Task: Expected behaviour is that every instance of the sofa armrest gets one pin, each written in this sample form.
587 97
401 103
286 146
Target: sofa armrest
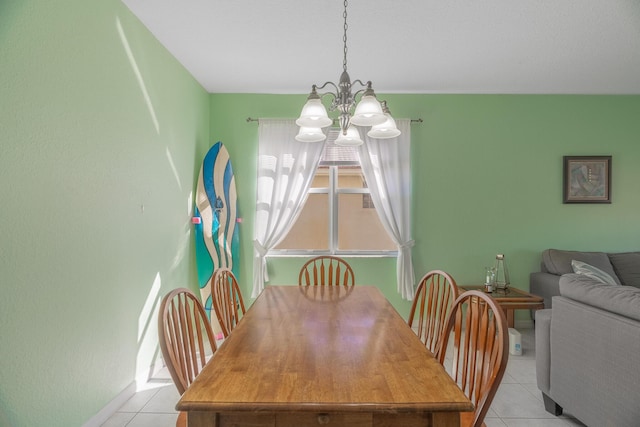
595 374
623 300
543 350
545 285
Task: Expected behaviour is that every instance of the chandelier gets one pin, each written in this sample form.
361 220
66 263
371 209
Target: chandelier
367 111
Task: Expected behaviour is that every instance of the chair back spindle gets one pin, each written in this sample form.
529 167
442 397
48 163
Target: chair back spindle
478 353
227 300
326 271
185 336
431 307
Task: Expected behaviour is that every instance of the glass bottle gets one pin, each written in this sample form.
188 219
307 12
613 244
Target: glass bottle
490 279
502 274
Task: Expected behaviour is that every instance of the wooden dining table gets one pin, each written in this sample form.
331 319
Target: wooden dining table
317 355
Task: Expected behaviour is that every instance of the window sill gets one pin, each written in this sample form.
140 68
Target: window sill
344 254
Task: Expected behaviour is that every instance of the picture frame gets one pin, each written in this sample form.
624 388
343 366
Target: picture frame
586 179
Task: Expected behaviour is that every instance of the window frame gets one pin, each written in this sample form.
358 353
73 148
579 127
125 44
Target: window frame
333 193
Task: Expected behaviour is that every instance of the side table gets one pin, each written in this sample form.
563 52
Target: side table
510 300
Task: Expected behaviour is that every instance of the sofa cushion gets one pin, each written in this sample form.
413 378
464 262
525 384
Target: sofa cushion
627 267
580 267
559 262
623 300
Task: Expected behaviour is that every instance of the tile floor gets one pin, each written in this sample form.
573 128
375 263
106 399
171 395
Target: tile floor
518 402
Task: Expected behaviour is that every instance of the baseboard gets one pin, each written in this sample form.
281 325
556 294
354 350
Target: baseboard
105 413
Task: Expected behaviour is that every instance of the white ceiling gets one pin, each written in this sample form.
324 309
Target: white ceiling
404 46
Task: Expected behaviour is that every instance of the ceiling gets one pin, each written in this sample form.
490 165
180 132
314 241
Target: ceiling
404 46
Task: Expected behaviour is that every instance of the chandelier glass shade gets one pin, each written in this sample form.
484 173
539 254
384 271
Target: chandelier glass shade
314 114
386 129
349 138
367 111
310 134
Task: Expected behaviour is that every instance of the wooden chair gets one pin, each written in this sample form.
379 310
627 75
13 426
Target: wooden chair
227 299
186 339
431 307
326 270
479 352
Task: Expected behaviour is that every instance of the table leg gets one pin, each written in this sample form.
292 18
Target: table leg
510 318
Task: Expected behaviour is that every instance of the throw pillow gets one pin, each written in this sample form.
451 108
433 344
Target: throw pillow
585 269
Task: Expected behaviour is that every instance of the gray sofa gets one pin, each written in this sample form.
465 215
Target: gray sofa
588 344
623 267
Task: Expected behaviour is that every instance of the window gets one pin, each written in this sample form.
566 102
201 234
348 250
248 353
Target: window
338 216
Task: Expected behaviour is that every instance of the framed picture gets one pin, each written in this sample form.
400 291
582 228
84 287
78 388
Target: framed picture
587 179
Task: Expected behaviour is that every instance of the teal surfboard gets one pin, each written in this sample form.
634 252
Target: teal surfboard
215 222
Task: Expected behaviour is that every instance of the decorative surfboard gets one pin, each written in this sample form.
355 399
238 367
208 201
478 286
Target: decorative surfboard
215 222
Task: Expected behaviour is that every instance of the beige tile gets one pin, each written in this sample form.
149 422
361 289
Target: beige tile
164 401
515 401
520 422
573 422
508 379
533 389
138 400
153 420
523 371
119 419
494 422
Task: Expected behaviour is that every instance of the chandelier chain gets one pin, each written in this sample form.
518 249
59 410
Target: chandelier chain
365 110
344 38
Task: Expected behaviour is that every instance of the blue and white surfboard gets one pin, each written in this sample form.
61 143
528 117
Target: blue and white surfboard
216 231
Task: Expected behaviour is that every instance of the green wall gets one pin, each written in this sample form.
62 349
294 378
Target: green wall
101 137
101 132
487 179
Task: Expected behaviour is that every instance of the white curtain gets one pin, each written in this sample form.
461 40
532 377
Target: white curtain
285 170
386 167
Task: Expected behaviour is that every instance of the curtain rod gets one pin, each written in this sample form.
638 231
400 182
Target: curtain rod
250 119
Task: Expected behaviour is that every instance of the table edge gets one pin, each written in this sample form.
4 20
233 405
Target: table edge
355 407
529 296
